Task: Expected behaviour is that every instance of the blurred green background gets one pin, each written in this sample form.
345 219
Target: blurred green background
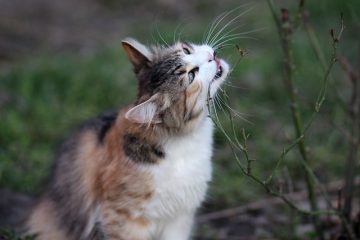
61 63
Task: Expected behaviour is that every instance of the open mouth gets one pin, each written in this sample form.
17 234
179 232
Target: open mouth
219 73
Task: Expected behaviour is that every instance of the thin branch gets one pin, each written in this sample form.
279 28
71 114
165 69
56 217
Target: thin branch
332 187
285 29
314 41
354 113
285 34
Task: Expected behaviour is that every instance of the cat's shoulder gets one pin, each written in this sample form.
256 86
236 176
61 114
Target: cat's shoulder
101 124
97 126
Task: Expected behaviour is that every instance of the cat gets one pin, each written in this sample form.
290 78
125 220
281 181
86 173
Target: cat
139 173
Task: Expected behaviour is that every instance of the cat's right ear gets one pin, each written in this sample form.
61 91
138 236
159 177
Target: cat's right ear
138 54
144 113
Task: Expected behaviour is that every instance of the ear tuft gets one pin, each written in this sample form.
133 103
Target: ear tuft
144 113
137 53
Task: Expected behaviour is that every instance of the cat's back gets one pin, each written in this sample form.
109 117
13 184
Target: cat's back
67 208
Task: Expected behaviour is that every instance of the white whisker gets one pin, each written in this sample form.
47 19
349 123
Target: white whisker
235 35
228 33
234 112
225 46
220 105
227 24
213 27
161 37
209 32
233 86
217 119
219 19
176 29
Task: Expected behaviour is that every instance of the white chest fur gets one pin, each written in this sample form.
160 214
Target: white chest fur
181 179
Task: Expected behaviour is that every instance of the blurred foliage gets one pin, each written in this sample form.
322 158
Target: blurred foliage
48 97
10 235
43 97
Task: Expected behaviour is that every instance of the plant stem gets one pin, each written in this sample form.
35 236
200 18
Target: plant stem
351 163
314 41
285 33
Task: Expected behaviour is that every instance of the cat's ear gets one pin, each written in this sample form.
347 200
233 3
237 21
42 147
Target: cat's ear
138 54
144 113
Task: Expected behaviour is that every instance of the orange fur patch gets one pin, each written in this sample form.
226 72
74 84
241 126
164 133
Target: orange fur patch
88 162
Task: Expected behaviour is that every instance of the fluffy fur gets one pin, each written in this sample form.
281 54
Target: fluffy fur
141 172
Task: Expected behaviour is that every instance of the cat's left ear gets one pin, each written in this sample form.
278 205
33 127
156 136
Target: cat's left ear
138 54
144 113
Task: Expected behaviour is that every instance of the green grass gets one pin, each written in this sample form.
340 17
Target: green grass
46 99
47 96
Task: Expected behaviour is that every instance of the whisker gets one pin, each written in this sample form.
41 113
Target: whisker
217 101
242 33
237 37
219 19
233 86
209 32
222 129
222 46
161 37
176 29
217 36
254 30
228 33
236 34
214 117
226 101
234 112
235 65
236 62
218 120
213 27
213 114
227 24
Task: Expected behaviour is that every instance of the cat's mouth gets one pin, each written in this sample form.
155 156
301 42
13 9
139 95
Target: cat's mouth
219 73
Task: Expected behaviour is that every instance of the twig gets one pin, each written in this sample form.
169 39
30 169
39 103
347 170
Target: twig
295 197
314 41
236 145
285 34
354 113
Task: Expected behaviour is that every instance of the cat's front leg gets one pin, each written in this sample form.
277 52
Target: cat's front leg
179 228
119 224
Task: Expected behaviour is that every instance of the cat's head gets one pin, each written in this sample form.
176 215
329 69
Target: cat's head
174 82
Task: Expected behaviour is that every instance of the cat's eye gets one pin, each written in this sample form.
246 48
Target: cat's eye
186 50
191 74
